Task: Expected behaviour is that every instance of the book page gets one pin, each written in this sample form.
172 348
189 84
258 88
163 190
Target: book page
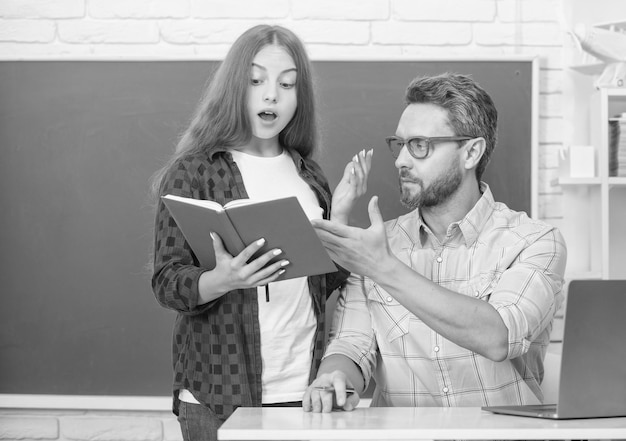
240 202
199 202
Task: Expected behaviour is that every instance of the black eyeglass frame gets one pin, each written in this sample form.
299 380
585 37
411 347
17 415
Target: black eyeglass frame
429 143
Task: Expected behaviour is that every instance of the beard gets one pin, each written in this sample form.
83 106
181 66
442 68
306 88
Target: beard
444 186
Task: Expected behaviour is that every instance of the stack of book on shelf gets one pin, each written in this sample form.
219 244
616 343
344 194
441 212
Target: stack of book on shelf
617 145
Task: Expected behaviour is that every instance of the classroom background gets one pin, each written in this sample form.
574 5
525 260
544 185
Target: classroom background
331 29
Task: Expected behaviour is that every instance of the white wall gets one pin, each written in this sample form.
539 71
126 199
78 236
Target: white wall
601 11
577 86
193 29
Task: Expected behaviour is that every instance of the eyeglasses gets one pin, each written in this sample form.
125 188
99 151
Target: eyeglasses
418 146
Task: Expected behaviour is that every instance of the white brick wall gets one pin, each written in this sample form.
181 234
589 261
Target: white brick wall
353 10
94 29
88 425
237 9
42 9
138 9
103 428
446 11
28 427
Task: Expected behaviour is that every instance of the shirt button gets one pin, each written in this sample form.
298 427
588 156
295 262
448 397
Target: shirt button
436 348
389 299
477 293
439 259
445 390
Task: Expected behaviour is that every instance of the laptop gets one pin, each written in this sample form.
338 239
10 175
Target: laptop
592 383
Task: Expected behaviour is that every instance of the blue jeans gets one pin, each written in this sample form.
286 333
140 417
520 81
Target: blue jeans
199 423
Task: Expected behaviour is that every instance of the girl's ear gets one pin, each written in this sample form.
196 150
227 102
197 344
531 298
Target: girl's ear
473 151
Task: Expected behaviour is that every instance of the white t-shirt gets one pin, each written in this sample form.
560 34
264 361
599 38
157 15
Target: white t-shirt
287 322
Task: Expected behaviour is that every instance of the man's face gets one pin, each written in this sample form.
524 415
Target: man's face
430 181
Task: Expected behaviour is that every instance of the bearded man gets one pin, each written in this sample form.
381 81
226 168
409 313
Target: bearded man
451 304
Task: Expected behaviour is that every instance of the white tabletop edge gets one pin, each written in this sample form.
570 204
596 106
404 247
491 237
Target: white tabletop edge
409 423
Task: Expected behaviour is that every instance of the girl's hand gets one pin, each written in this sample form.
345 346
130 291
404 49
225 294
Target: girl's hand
236 272
352 186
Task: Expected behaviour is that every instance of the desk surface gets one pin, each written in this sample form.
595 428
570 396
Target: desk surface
397 423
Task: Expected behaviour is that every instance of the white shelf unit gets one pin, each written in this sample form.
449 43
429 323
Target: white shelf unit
595 208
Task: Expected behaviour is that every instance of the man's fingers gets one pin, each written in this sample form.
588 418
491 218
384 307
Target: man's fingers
376 218
306 400
333 228
327 398
340 393
316 401
332 243
351 402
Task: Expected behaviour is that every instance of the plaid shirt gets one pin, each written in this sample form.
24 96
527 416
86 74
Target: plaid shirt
493 254
216 346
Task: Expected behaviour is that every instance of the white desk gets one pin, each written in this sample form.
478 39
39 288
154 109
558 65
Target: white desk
407 423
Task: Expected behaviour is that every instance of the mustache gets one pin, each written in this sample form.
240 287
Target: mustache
406 175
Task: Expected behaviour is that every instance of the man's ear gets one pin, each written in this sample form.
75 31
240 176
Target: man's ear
473 151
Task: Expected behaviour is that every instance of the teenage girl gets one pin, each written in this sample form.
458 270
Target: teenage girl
252 136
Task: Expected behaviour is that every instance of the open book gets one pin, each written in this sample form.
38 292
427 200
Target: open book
281 222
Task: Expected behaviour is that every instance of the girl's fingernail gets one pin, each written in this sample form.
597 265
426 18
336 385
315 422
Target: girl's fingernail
260 241
277 252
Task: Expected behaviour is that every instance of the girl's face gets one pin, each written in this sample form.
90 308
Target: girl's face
272 99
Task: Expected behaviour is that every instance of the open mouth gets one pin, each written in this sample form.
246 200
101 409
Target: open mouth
268 116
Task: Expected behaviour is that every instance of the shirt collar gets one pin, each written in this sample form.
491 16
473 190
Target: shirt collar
219 149
473 222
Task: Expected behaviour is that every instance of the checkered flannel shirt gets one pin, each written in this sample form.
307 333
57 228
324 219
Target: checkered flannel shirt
216 346
493 254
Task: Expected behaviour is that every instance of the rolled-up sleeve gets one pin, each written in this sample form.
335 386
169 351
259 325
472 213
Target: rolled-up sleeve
351 333
529 293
